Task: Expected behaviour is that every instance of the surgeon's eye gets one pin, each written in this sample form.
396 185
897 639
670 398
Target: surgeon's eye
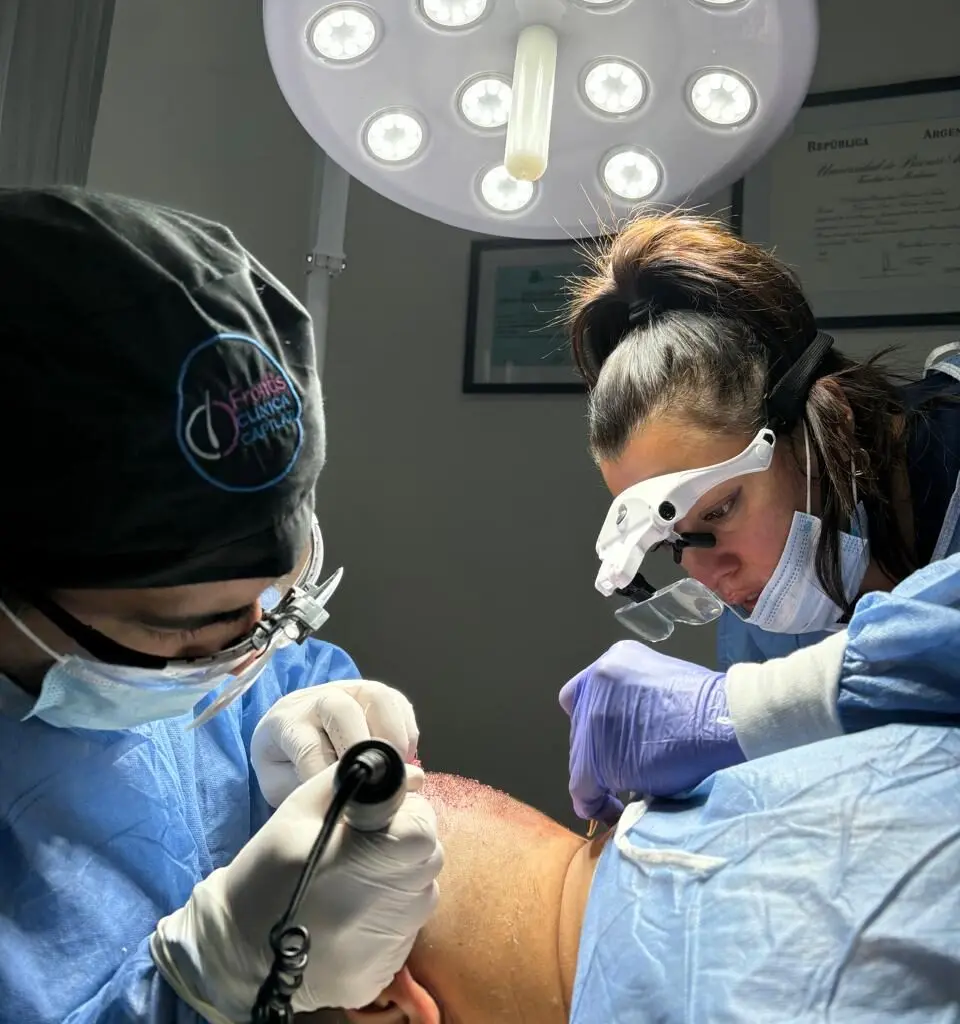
722 510
181 635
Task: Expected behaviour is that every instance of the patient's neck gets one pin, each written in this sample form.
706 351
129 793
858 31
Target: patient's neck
573 905
502 946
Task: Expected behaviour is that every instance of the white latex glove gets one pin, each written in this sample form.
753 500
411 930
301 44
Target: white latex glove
309 729
370 896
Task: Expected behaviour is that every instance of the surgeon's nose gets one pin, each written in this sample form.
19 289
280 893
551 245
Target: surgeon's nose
710 567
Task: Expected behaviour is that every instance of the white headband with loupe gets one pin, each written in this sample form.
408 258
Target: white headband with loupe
645 515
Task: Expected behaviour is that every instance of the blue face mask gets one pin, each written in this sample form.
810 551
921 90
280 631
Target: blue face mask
79 693
793 600
74 697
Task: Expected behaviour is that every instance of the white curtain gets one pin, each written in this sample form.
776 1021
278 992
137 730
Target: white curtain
52 58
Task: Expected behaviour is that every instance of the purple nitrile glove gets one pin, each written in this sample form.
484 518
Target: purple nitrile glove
644 722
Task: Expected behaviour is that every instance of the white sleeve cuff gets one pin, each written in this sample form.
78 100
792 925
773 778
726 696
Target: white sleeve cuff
195 952
167 967
787 702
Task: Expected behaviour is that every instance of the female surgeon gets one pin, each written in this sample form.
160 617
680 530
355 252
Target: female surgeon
813 504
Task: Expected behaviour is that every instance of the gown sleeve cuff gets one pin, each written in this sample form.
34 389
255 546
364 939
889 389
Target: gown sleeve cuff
787 702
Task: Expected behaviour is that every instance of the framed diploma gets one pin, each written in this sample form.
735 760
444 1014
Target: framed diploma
516 333
862 199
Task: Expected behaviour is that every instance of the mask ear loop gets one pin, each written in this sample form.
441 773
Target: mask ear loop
806 448
856 518
30 635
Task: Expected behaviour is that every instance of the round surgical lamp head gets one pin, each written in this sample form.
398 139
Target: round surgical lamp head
543 118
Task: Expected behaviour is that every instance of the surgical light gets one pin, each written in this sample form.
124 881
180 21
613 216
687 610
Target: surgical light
344 32
485 101
614 87
448 107
453 13
504 193
631 175
394 136
722 98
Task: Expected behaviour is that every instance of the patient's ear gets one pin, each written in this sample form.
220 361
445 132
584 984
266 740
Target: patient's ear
403 1001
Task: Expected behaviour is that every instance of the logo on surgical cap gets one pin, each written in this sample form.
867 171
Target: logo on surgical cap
239 417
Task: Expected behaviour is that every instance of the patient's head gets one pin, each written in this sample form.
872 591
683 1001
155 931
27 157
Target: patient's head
502 945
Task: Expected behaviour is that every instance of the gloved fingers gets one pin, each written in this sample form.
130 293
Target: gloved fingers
414 829
311 799
378 976
320 724
407 857
276 780
422 878
611 810
570 693
389 716
285 750
421 908
340 718
415 778
295 747
590 787
291 729
631 659
603 807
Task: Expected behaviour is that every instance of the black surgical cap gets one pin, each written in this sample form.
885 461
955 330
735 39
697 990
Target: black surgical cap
162 421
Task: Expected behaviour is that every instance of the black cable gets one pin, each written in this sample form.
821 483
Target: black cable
354 777
291 943
368 791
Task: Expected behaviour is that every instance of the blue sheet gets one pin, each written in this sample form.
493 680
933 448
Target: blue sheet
820 884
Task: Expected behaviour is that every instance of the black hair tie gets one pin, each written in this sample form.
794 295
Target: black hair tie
661 295
787 398
639 310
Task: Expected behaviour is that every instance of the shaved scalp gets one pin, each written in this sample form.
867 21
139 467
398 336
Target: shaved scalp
490 953
455 798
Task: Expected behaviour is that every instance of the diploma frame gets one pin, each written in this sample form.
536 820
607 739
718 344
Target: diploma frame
879 275
516 336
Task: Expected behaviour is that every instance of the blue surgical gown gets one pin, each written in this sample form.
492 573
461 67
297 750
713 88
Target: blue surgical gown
896 626
819 884
103 833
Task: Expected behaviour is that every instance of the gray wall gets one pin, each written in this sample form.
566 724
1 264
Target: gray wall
466 523
191 115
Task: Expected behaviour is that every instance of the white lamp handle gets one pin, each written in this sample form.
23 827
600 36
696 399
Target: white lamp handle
528 130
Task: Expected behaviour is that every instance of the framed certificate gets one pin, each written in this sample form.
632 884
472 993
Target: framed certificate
516 337
862 199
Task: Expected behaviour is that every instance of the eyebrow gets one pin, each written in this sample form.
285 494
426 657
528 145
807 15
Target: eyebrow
188 623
